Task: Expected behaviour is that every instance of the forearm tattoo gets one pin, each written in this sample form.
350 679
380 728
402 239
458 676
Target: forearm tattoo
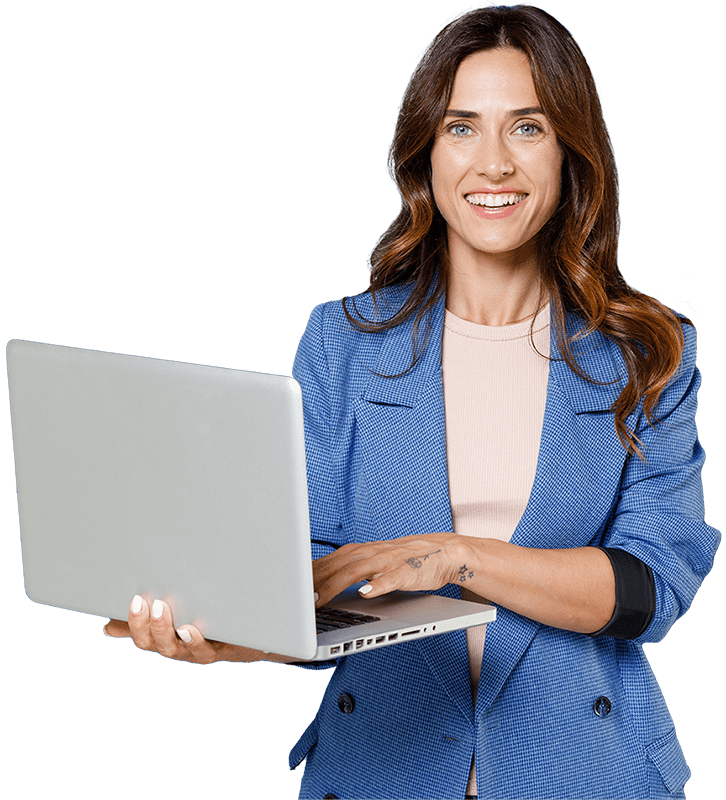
417 563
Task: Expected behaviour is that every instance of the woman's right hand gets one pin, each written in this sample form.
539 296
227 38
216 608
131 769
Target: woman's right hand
153 630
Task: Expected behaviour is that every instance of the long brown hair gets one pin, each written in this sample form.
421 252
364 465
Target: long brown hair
577 246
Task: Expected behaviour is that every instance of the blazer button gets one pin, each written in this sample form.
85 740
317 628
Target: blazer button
330 796
346 703
602 706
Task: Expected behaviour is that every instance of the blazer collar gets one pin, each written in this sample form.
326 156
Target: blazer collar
395 359
595 355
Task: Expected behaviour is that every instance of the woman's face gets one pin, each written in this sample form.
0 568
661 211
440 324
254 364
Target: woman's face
496 163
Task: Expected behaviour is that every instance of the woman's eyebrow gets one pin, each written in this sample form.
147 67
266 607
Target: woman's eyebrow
517 112
525 112
454 112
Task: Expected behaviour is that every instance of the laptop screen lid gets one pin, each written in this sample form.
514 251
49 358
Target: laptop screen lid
170 480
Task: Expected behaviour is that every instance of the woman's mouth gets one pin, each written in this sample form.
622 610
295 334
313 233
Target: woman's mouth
491 200
495 205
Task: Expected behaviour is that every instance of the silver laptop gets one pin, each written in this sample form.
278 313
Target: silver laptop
186 483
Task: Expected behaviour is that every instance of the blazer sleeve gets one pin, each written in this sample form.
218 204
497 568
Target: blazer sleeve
311 371
659 517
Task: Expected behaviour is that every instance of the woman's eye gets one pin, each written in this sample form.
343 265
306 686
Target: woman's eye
529 129
460 129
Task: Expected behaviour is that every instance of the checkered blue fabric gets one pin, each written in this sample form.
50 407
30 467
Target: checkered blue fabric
377 470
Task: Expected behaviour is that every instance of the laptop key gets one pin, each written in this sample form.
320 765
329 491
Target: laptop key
328 619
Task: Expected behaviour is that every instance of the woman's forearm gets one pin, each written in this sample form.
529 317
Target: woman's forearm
572 588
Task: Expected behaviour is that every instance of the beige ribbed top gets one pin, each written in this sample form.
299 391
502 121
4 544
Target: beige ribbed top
495 388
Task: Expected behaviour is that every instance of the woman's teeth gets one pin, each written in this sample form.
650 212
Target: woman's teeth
489 200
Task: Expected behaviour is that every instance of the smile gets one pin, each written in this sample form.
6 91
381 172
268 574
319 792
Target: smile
491 200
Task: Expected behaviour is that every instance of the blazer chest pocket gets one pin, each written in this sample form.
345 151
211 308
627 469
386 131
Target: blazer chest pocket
667 768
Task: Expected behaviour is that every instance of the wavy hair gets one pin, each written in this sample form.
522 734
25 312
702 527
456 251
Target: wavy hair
577 247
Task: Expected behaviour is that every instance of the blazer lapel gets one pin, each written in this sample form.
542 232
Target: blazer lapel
402 428
575 486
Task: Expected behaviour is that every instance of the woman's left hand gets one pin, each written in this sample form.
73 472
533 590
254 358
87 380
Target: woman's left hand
411 563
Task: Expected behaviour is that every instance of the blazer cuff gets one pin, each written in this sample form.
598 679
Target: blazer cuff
634 596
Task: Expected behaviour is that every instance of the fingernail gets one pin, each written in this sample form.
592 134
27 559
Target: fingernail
136 604
316 597
157 609
365 589
184 635
105 631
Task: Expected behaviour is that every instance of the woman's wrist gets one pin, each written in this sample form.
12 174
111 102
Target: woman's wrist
465 560
237 653
570 588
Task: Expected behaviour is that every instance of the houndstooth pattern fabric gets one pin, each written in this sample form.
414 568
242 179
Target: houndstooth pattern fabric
558 714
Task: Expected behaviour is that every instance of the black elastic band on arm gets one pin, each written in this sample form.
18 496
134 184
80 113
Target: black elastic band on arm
634 596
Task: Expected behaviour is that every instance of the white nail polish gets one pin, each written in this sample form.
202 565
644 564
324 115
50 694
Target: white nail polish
136 604
316 597
184 635
157 609
365 589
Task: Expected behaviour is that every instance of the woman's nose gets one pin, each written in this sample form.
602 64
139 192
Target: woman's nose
493 159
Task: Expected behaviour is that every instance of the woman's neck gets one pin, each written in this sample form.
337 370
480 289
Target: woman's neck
494 291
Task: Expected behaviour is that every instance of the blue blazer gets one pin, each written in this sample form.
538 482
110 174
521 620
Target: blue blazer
557 714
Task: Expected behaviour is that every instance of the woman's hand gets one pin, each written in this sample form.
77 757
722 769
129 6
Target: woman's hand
153 629
411 563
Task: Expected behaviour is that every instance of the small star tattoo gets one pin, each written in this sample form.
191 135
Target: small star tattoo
465 573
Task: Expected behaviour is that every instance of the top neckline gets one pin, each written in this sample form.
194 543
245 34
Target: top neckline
499 333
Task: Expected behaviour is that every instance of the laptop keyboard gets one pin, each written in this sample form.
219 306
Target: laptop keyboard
329 619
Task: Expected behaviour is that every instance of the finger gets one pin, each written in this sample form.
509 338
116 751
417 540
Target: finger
330 563
353 572
383 583
348 574
116 628
199 649
405 546
139 623
161 627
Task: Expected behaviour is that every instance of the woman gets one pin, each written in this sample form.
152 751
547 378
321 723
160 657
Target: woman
499 416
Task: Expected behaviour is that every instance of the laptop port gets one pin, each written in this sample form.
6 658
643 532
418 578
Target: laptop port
369 641
334 650
380 639
409 633
359 644
347 646
392 636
